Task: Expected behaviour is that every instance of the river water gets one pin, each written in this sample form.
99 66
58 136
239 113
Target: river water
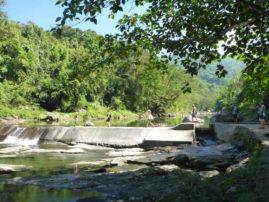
50 159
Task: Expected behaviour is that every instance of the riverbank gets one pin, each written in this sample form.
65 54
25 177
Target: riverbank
251 131
96 114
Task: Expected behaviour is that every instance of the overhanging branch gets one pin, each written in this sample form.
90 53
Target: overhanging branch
254 6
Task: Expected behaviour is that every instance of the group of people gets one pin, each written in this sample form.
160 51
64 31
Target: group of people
235 112
149 117
260 115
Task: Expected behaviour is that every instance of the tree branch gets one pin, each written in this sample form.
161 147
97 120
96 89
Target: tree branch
254 6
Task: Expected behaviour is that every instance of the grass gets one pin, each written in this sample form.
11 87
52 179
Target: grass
27 112
94 110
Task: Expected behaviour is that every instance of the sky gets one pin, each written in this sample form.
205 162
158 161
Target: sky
44 13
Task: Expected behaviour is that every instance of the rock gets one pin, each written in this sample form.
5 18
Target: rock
12 150
189 119
225 117
209 174
67 151
218 166
211 162
52 117
6 168
179 159
169 167
231 190
216 157
3 121
126 152
152 159
98 167
241 164
88 123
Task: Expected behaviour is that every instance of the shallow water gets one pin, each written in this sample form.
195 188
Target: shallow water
46 159
15 193
49 159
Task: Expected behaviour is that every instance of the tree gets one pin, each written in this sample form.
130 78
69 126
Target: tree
2 14
190 30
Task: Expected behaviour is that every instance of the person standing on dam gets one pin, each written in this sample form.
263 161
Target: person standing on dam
108 118
76 118
149 118
235 114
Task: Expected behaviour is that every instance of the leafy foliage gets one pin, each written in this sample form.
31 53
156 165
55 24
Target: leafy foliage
190 30
78 68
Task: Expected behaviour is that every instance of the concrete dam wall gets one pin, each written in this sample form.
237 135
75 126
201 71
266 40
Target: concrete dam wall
113 136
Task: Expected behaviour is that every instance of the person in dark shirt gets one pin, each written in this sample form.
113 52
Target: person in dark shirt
108 118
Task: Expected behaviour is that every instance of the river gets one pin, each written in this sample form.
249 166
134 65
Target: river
42 163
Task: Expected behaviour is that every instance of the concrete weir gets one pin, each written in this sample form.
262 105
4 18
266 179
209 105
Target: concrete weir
113 136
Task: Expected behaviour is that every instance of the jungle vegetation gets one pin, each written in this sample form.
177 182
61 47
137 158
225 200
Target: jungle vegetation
73 69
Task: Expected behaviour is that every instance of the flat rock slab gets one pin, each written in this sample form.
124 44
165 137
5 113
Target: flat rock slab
7 168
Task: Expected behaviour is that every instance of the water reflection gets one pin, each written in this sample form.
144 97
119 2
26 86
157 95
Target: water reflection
15 193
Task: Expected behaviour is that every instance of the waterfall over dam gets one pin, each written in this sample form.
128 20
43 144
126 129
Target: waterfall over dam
113 136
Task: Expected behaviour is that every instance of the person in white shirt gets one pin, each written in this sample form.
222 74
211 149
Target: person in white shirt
149 118
194 113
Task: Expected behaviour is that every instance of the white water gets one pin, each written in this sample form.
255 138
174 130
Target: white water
17 139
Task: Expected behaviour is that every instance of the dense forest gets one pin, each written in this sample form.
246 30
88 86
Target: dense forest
70 71
67 72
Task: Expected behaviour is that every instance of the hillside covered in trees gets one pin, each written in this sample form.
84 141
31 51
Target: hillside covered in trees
67 72
232 66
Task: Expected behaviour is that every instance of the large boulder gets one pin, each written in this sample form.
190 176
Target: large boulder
89 123
189 119
52 117
7 168
225 117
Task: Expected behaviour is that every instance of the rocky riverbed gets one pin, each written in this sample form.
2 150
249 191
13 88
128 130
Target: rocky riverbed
130 174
